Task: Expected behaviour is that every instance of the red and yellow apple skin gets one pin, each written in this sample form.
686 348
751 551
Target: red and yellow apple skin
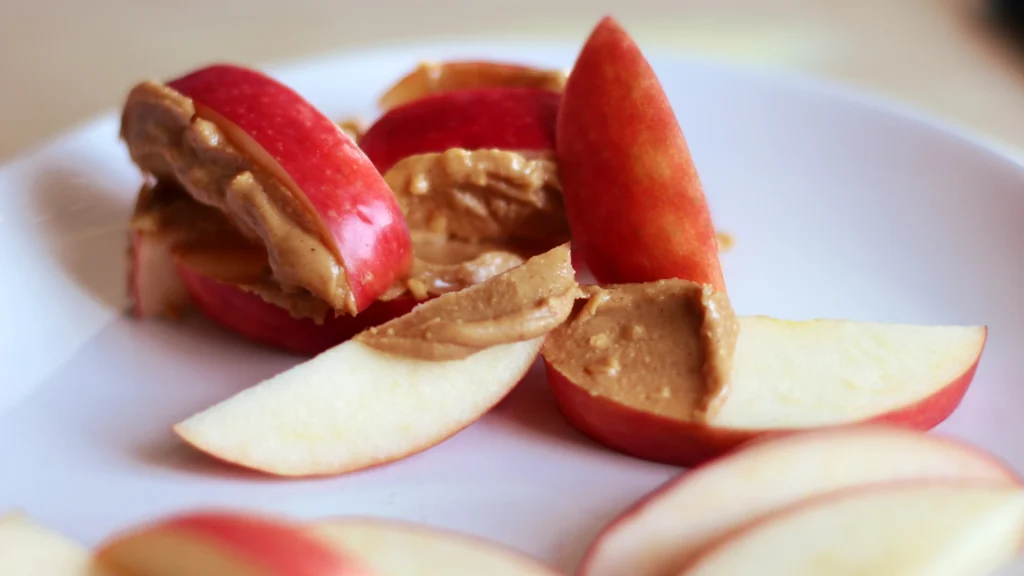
657 438
634 200
257 320
209 543
358 217
437 78
520 119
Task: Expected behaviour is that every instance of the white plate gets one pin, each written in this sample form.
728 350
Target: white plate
840 207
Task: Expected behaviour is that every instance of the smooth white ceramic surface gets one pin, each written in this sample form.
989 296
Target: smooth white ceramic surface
840 208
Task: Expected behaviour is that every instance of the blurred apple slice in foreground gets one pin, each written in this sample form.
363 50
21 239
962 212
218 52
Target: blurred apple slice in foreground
662 532
918 528
213 543
28 549
394 548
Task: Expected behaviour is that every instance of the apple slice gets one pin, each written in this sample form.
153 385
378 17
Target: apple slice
519 119
395 548
154 288
916 528
662 532
222 543
439 77
247 314
26 548
281 171
633 197
397 389
785 375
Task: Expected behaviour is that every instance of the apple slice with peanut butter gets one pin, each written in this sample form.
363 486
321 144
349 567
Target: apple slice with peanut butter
266 243
396 389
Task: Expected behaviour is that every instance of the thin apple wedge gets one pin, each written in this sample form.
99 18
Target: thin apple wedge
439 77
215 543
629 369
29 549
519 119
632 193
939 529
394 548
285 175
661 533
398 388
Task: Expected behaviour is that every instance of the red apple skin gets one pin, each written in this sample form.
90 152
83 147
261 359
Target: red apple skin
521 119
274 547
466 75
659 439
255 319
362 220
633 198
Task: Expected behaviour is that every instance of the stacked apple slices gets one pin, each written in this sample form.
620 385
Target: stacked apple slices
300 242
270 220
865 499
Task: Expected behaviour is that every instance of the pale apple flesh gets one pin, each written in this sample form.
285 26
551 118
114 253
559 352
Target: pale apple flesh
396 548
154 288
28 548
354 407
439 77
940 529
658 535
796 375
224 544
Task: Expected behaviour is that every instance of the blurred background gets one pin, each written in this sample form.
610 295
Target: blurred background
62 61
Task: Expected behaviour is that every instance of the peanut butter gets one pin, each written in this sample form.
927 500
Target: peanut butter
482 195
203 239
663 347
168 140
521 304
443 265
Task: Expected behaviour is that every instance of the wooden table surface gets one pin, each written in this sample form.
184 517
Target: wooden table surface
62 61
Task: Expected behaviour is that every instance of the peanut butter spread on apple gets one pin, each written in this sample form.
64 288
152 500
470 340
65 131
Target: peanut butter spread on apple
664 347
204 239
521 304
168 140
482 195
